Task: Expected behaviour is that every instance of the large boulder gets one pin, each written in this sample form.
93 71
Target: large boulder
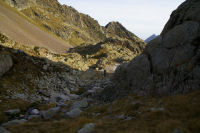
170 63
5 63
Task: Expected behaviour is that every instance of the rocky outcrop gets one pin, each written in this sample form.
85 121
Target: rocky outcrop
5 63
170 63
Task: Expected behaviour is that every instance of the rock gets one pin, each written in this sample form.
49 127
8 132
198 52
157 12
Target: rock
73 89
14 122
20 96
189 10
168 62
33 116
95 90
3 130
6 63
80 104
74 96
45 67
88 128
124 117
73 113
35 112
61 104
56 97
157 109
140 68
48 114
177 131
66 91
13 112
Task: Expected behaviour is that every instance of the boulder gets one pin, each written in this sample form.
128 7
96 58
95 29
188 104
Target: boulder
73 113
80 104
33 116
170 61
88 128
35 112
48 114
56 97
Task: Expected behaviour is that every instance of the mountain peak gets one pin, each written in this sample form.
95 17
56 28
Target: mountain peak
113 23
116 29
150 38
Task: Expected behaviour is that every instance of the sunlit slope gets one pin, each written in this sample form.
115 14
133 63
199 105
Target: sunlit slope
20 30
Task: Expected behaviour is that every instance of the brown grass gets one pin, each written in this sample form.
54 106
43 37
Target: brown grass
181 112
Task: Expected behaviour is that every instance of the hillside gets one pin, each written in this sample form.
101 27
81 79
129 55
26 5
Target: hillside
64 21
22 31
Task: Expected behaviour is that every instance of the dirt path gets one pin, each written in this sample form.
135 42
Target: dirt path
20 30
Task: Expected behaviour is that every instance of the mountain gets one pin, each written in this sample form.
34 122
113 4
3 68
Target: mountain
155 88
60 28
64 21
150 38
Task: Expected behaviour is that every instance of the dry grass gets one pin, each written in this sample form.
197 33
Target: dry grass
181 112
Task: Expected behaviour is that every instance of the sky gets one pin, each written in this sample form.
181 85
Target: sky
142 17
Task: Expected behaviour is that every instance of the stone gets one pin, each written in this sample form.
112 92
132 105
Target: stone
35 112
48 114
158 109
74 96
80 104
56 97
73 113
6 63
14 122
177 131
45 67
33 117
12 112
87 128
3 130
66 91
95 90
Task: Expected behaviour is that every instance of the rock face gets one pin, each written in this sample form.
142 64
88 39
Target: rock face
5 63
170 63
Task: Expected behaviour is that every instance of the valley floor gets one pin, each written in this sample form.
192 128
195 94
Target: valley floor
133 114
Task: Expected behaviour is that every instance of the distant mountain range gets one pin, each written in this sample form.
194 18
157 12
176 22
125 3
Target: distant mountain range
150 38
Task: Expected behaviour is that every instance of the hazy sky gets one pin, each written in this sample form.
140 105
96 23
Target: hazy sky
142 17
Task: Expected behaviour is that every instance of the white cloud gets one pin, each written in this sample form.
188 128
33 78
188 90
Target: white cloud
142 17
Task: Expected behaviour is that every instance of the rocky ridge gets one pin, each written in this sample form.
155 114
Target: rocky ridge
70 25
